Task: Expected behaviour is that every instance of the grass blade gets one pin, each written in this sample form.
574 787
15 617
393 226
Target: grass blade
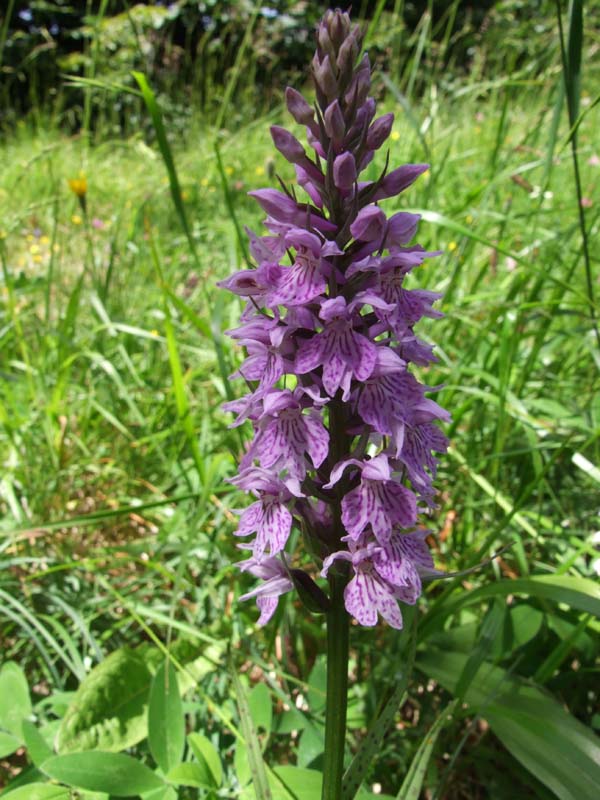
412 784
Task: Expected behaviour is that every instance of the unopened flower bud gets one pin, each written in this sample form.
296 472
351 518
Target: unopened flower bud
379 131
347 55
398 180
325 45
369 224
289 147
339 27
344 171
361 83
335 126
298 107
325 77
401 228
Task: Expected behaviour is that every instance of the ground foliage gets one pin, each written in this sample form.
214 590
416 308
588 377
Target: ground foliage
115 541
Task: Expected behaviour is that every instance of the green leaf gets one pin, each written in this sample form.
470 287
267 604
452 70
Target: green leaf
201 666
38 749
205 752
15 703
38 791
301 784
560 751
526 623
95 771
164 793
310 746
488 631
413 782
8 744
241 763
317 686
166 723
261 709
190 774
108 711
578 593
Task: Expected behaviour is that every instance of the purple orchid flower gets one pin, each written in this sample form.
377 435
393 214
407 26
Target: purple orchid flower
344 434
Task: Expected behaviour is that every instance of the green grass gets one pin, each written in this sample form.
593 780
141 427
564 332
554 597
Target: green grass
116 520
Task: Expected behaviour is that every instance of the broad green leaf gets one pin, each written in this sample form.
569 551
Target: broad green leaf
582 594
15 703
310 746
261 708
108 711
288 721
207 755
38 791
413 782
200 666
8 744
38 748
299 783
317 686
241 763
484 642
95 771
560 751
526 623
190 774
166 723
164 793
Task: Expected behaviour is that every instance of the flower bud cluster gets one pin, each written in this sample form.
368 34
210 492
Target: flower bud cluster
344 434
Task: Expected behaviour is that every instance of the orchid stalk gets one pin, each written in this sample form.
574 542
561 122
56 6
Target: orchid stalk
344 433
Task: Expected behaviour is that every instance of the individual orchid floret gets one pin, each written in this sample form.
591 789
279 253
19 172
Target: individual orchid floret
392 400
339 350
382 577
379 501
276 581
269 517
286 435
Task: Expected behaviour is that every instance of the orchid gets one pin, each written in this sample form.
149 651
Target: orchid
344 433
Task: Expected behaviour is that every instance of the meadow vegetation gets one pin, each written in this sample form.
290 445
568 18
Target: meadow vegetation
116 521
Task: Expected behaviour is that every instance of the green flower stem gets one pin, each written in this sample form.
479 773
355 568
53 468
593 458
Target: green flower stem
338 628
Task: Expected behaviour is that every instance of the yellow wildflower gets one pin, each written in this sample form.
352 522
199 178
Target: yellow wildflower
394 136
452 246
79 188
78 185
76 219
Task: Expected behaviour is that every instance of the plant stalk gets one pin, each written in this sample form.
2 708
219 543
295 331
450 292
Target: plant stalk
338 630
